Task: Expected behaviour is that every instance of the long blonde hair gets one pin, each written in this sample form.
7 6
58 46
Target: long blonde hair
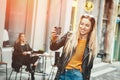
73 39
18 39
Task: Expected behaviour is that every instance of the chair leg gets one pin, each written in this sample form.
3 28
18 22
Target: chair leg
6 71
29 76
10 75
16 76
21 74
51 74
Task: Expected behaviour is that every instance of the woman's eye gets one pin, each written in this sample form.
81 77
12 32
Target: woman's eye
81 23
87 25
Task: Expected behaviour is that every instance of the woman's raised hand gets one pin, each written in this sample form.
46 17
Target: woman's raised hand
54 35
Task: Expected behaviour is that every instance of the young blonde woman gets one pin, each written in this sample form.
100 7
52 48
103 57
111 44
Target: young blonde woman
21 56
78 52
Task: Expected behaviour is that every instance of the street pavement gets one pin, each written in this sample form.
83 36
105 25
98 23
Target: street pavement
113 75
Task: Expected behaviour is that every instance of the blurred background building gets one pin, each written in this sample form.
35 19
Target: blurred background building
36 18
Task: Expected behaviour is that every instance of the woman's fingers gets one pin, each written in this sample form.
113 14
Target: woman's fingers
54 35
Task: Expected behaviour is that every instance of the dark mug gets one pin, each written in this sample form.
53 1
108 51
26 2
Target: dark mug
58 30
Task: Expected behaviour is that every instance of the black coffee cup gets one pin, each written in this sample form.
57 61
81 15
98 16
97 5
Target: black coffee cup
58 30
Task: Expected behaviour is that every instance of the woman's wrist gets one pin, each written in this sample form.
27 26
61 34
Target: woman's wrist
54 39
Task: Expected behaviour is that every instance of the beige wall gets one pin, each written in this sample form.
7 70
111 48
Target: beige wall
47 15
16 18
110 33
39 24
57 18
2 19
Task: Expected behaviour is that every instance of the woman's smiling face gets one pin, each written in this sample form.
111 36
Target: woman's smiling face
22 37
85 26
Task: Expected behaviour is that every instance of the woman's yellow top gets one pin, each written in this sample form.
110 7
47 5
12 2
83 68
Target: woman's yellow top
76 60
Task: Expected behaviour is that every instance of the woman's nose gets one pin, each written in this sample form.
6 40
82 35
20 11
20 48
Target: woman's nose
83 26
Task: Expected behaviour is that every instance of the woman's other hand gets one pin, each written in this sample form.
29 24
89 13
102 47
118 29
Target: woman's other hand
26 52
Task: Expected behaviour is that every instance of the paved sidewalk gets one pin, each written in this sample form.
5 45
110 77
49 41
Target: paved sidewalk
114 75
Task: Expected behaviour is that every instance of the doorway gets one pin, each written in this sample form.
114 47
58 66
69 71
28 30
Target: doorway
117 43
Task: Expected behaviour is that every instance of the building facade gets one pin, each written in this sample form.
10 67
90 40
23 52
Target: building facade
36 18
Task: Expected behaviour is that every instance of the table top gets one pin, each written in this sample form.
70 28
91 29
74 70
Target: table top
45 54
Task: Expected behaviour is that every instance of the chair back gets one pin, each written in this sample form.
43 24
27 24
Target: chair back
0 54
